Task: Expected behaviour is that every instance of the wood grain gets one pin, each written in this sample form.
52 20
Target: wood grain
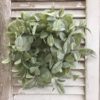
5 78
46 5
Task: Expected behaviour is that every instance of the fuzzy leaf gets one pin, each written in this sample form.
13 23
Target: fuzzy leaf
76 55
68 65
29 84
34 28
50 40
60 55
6 61
43 35
33 60
70 58
58 25
23 43
65 47
58 86
57 44
68 20
35 70
62 36
61 12
86 51
57 67
17 62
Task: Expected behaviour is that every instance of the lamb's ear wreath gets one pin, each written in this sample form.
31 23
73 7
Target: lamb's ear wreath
44 47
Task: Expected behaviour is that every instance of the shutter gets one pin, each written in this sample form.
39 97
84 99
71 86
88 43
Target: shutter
75 90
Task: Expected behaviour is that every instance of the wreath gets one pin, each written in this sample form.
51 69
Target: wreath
45 46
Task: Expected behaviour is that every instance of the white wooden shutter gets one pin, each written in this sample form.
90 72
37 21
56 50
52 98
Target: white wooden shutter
75 90
92 69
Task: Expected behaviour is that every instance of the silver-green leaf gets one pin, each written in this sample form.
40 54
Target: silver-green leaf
50 40
57 67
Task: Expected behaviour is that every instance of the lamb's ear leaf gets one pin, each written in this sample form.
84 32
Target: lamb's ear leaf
70 58
61 12
6 61
16 27
43 35
57 84
58 25
86 52
35 70
50 40
29 84
57 67
23 43
53 51
62 36
57 44
76 55
60 88
65 46
17 62
68 19
34 28
60 55
24 15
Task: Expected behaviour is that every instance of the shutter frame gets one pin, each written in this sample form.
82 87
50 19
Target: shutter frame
92 69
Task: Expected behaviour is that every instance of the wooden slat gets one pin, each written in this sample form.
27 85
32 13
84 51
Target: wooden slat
75 13
75 18
49 90
68 82
77 21
44 0
48 97
46 5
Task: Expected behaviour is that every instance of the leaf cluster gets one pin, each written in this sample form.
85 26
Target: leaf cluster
44 47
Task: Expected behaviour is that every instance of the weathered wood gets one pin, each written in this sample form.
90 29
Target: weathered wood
75 13
44 0
5 78
46 5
